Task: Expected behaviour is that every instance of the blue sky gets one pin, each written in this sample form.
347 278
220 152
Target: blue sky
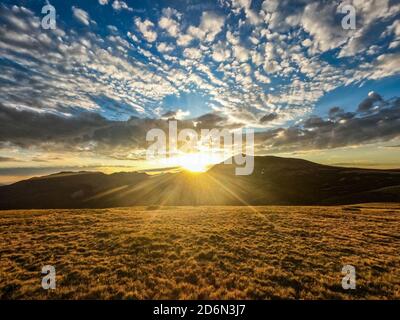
265 64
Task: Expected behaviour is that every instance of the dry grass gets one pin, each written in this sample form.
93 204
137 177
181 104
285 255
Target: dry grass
202 252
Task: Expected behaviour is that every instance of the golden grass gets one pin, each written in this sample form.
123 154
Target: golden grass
202 252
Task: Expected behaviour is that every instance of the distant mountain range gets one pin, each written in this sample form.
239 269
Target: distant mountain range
275 181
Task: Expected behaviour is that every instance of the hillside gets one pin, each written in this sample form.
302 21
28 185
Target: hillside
272 252
279 181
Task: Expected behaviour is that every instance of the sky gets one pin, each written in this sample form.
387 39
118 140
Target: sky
82 96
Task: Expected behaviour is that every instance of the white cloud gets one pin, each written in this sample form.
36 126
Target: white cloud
319 21
132 36
270 6
306 43
385 66
81 15
241 53
394 28
112 28
261 78
251 15
192 53
368 13
169 23
146 29
120 5
184 40
214 60
103 2
176 114
394 44
164 47
231 38
210 25
220 52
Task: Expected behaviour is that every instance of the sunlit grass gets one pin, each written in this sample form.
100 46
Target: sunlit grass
201 252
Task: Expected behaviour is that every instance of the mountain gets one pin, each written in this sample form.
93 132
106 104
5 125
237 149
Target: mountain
280 181
64 189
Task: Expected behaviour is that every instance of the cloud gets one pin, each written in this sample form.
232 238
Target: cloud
369 103
341 130
169 23
370 15
241 53
386 65
103 2
306 42
261 78
210 121
251 16
164 47
210 25
176 114
243 69
184 40
220 52
120 5
146 29
90 133
192 53
87 132
319 21
269 117
64 65
8 159
337 113
81 15
394 28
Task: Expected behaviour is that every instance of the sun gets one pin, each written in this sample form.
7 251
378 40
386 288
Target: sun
194 167
194 162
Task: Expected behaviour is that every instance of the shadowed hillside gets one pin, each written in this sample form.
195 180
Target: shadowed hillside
279 181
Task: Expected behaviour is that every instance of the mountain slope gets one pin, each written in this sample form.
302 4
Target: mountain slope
275 180
63 190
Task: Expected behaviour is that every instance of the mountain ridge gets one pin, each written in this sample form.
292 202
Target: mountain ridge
274 181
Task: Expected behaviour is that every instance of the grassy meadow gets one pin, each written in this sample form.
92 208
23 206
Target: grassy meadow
202 252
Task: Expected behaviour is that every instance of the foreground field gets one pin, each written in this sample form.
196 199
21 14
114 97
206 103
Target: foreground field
202 252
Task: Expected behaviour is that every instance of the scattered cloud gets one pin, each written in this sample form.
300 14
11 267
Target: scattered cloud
269 117
169 21
91 133
146 28
120 5
260 65
341 130
370 103
175 114
81 15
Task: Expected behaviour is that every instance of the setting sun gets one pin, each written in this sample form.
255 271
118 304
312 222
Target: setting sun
194 162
